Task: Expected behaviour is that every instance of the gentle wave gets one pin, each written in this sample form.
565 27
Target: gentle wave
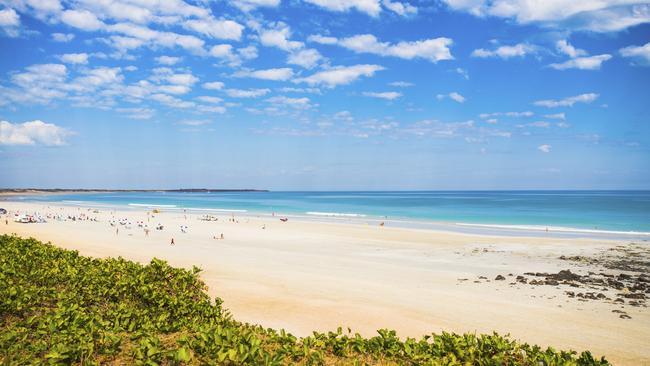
151 205
555 229
334 214
215 209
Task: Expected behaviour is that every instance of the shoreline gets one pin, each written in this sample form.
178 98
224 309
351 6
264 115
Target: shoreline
471 228
287 275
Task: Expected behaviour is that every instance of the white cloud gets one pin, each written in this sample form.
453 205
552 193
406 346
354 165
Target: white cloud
507 114
317 38
401 84
9 21
214 85
457 97
299 90
81 19
250 93
172 101
540 124
598 16
307 58
505 52
211 109
340 75
194 122
9 18
209 99
39 83
137 113
370 7
168 60
247 53
567 102
544 148
137 36
248 5
98 77
403 9
74 58
639 52
168 75
434 50
165 12
453 96
582 63
225 52
280 74
32 133
383 95
216 28
462 72
62 37
279 37
297 103
561 116
567 49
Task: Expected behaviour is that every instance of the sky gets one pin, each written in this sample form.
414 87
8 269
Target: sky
325 94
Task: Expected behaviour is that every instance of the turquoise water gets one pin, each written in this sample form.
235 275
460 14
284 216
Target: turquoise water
588 210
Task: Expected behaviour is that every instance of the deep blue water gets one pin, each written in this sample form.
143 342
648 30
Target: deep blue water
601 210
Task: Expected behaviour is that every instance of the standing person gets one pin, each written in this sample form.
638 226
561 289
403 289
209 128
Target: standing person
172 242
117 231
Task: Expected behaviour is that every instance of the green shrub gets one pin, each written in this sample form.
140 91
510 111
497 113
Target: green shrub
58 307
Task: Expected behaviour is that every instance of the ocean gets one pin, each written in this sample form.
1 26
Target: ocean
558 211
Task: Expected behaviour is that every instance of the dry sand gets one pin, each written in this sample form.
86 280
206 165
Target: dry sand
305 276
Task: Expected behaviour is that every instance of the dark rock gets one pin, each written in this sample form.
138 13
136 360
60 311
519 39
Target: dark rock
499 278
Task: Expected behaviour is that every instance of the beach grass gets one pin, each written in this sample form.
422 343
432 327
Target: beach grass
59 307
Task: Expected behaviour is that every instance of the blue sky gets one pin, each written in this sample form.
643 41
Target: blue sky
325 94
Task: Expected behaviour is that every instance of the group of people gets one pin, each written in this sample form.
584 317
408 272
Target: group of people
124 222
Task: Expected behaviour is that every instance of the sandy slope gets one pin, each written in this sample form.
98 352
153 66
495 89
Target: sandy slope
305 276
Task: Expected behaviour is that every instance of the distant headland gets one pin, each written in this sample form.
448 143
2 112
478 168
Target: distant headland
12 191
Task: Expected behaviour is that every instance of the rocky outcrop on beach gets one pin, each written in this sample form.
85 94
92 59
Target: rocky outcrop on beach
619 276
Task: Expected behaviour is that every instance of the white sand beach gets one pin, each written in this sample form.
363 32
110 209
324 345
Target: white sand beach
305 276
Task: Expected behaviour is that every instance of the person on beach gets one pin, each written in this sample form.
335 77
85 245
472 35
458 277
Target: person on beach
221 236
146 232
117 231
172 242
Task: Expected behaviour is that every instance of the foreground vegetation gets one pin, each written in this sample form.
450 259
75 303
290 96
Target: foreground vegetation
59 307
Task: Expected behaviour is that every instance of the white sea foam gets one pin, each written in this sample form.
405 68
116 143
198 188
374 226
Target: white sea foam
555 229
334 214
151 205
215 209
